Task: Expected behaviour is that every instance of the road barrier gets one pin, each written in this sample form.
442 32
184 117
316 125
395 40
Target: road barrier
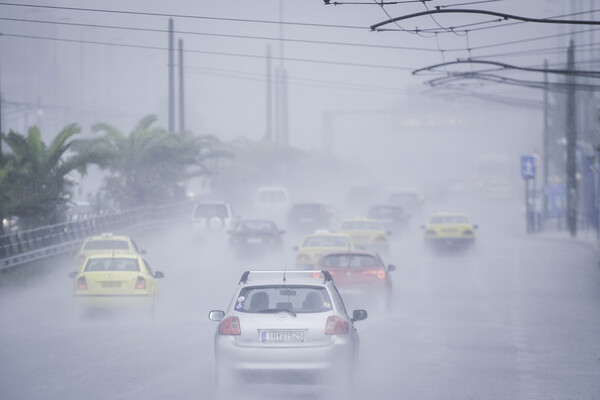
21 247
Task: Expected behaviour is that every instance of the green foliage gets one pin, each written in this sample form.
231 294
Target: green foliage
34 178
149 165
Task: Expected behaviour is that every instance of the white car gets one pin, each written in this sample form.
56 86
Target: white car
285 328
213 216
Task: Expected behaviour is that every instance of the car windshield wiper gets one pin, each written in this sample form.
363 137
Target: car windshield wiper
276 310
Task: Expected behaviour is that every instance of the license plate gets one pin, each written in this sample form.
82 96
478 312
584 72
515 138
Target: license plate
111 284
254 240
281 336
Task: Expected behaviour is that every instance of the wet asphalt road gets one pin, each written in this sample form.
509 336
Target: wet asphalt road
516 318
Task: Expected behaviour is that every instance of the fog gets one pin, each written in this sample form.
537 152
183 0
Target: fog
515 317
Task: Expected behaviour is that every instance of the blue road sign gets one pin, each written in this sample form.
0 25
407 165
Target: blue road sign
527 167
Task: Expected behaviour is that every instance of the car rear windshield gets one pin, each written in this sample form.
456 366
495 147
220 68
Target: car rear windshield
326 241
449 219
291 298
255 226
104 244
349 261
112 264
360 226
211 210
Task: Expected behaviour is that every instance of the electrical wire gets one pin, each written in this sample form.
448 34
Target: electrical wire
217 53
155 14
232 36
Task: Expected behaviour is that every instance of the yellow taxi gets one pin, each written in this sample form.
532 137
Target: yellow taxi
315 245
115 281
449 231
365 233
106 243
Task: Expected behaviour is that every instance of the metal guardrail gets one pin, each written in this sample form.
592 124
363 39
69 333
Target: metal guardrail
25 246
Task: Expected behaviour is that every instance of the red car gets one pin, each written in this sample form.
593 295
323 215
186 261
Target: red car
360 276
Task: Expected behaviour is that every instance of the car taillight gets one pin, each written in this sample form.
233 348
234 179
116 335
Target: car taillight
336 326
317 275
140 283
230 326
81 283
379 272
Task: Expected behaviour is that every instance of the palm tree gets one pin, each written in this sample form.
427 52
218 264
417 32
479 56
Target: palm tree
35 178
149 165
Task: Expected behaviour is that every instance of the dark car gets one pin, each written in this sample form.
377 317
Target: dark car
360 276
255 236
391 216
309 217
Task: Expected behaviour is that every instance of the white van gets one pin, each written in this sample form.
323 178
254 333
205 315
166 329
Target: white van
272 201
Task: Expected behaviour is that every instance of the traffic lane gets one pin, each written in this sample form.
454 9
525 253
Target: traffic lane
486 325
51 352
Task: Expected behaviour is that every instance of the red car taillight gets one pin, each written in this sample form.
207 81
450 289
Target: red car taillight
336 326
381 274
81 283
140 283
230 326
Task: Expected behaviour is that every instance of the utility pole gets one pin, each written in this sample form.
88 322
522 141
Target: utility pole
545 154
571 143
268 101
181 96
171 79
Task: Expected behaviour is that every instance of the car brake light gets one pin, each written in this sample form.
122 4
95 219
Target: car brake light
230 326
302 258
81 283
140 283
336 326
380 273
317 275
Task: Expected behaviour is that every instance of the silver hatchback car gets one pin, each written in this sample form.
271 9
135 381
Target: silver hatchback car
285 328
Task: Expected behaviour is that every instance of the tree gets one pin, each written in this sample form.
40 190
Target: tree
34 178
149 165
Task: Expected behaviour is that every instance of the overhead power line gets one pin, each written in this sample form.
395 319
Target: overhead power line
484 12
217 53
587 74
223 35
154 14
557 86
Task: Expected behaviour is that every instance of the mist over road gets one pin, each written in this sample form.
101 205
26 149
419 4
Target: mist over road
515 318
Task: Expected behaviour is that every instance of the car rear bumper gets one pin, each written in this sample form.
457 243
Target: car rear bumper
276 364
114 301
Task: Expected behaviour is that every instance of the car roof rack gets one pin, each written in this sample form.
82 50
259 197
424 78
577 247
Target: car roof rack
313 273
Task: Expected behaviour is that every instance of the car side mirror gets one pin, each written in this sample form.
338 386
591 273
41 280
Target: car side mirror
216 315
295 248
159 275
72 274
476 226
391 267
142 252
389 233
359 315
422 226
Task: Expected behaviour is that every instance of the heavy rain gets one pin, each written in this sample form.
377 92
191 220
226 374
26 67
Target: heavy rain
437 160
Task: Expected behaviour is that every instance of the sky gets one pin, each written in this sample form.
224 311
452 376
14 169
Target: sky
107 61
